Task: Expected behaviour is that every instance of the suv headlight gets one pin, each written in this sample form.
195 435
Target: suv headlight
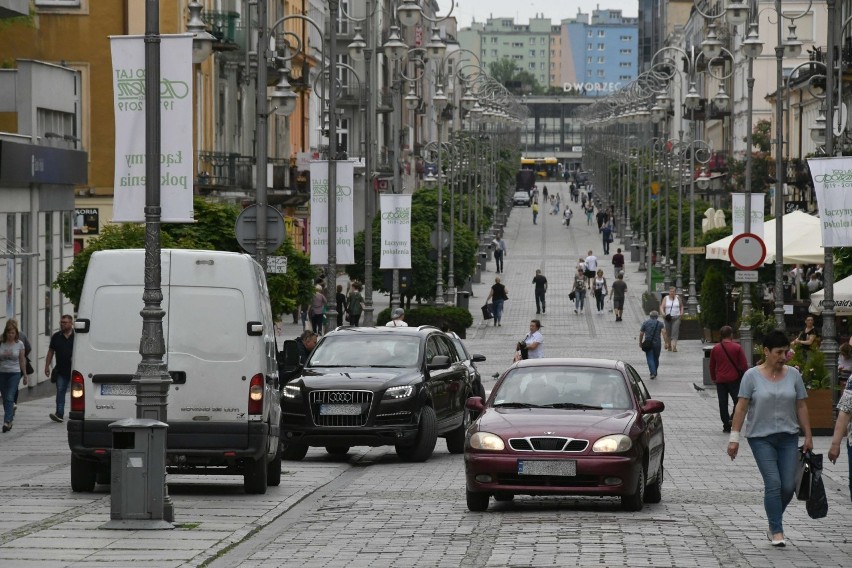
487 441
291 391
396 393
613 444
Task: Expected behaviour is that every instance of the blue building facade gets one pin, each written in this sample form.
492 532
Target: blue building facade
600 54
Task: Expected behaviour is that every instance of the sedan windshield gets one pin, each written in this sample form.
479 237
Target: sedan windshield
564 387
362 350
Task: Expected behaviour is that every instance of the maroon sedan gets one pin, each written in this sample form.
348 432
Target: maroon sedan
566 427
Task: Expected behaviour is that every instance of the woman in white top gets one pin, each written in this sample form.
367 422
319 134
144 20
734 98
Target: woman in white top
671 308
600 290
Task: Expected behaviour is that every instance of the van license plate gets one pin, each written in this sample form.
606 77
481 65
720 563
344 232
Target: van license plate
563 468
118 390
340 409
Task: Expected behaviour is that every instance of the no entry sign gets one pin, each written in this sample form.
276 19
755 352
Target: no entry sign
747 251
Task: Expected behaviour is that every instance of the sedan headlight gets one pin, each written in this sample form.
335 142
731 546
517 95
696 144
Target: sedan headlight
396 393
487 441
613 444
291 391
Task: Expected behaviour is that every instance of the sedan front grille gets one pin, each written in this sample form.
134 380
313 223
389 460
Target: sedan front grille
548 444
340 417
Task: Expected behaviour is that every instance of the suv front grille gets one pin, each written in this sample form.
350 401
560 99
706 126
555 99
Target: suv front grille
547 444
341 398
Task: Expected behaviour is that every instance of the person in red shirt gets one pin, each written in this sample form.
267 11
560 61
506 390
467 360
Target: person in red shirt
727 365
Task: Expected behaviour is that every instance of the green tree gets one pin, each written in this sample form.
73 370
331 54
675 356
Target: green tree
713 305
515 80
761 136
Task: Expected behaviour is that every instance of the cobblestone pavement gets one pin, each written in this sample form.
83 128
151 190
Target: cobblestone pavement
369 509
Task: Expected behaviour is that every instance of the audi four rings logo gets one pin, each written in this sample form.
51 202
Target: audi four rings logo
339 397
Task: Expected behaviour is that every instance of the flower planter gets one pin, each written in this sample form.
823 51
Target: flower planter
690 329
712 335
820 412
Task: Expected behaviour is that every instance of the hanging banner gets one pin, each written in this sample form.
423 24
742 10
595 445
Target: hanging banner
176 155
396 231
345 237
832 179
738 215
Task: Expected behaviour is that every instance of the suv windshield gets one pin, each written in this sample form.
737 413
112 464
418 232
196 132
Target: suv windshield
381 350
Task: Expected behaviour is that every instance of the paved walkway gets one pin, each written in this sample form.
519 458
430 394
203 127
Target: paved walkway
370 509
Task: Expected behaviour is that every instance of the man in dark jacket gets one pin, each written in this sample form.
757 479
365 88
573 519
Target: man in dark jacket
306 343
727 365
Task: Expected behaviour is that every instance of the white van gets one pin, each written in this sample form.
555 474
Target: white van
224 411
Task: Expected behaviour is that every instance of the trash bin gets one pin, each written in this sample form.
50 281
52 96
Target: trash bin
138 473
634 252
476 277
707 349
463 299
483 260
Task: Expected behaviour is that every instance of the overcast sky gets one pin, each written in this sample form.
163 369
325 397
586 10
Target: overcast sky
521 10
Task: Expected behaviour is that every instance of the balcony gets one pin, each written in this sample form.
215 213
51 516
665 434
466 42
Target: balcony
220 171
352 96
226 28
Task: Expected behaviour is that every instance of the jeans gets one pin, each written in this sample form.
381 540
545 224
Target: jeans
498 310
539 302
723 391
653 358
354 320
316 322
8 388
579 300
606 245
777 457
61 390
498 259
535 216
599 300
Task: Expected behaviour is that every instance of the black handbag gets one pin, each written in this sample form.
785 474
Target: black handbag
572 295
29 367
648 343
488 311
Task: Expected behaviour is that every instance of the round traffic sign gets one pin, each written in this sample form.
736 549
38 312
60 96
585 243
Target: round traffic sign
246 229
747 251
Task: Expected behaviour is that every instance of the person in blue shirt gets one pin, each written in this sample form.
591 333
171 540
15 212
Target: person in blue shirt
652 328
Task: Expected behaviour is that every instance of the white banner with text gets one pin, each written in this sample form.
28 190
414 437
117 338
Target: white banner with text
738 203
396 231
345 237
832 179
176 156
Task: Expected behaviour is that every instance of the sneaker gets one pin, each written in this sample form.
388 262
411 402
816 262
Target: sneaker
55 417
781 542
575 311
653 377
7 426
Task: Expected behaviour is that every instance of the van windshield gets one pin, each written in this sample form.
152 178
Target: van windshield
366 351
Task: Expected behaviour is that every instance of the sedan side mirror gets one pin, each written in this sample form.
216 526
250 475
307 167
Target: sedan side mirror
439 362
652 406
477 358
475 403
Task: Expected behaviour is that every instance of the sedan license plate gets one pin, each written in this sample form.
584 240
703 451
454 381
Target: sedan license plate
563 468
340 409
118 390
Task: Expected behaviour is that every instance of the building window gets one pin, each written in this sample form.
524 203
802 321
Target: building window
58 3
589 60
588 72
518 57
532 41
601 46
542 40
48 273
601 33
624 64
625 38
67 229
493 39
493 53
542 66
625 51
591 47
601 60
532 53
590 33
601 72
625 78
532 66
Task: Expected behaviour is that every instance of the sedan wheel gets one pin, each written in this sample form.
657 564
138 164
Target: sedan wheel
636 501
476 501
654 492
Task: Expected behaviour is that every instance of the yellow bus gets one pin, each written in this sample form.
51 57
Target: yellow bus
548 168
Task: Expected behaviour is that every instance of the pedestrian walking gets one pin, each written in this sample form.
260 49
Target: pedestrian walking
535 341
535 211
500 251
671 307
591 268
540 290
355 304
397 317
498 294
601 218
841 430
619 292
590 210
652 329
566 216
728 364
606 236
318 307
62 347
29 367
544 193
579 289
773 395
601 290
13 366
618 262
340 302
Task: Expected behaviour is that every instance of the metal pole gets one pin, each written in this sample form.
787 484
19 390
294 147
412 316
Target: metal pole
692 301
451 283
679 275
746 336
396 93
667 275
439 241
152 378
261 138
331 275
779 173
829 329
369 193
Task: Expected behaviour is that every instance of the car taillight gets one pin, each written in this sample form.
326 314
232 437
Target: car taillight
255 401
78 392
